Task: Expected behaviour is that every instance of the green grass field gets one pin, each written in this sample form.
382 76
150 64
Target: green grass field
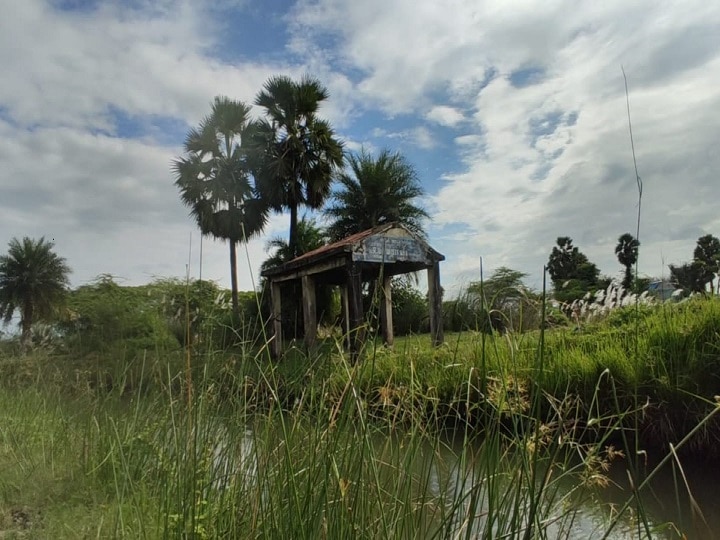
315 446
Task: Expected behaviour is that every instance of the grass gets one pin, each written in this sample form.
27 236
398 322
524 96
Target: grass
412 442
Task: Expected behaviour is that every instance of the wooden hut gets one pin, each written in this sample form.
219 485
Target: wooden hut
374 254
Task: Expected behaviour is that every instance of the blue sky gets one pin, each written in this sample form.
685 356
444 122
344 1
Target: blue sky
513 114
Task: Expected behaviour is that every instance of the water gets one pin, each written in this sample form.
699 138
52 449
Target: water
682 498
465 477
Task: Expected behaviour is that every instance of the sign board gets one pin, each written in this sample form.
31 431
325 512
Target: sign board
386 249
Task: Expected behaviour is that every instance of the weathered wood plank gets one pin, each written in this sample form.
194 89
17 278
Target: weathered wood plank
386 314
435 301
355 307
309 310
316 268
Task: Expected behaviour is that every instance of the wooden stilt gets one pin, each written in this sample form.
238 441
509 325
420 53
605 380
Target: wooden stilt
309 310
435 301
277 345
355 309
386 315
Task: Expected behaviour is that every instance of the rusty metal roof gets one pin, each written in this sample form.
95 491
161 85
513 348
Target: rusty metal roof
346 245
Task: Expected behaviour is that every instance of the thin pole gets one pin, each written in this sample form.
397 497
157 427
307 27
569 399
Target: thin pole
201 239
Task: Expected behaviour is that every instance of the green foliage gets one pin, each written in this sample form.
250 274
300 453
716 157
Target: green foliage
297 152
509 305
627 254
33 281
501 302
461 314
215 176
707 259
328 448
410 308
640 284
694 277
572 274
104 317
377 191
688 276
204 309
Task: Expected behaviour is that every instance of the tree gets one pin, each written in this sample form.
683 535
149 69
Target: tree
297 151
376 191
410 307
33 280
688 276
214 178
572 274
707 257
563 260
309 238
627 255
504 301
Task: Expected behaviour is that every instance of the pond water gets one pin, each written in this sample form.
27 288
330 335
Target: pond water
676 502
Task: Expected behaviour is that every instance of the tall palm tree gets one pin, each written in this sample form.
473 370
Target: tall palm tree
215 179
33 280
376 191
627 255
299 151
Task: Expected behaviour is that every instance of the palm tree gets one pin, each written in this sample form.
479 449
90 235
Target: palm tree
309 237
299 151
33 280
627 255
214 178
376 191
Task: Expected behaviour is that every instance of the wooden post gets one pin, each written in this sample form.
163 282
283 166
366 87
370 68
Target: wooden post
386 315
277 319
355 309
435 301
309 310
346 314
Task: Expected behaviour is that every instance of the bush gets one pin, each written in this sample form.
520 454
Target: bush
410 309
105 317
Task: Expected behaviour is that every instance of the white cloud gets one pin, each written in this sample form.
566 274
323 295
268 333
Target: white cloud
108 201
419 136
137 61
550 154
533 91
445 116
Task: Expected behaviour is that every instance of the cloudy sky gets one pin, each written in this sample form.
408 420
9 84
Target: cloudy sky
513 113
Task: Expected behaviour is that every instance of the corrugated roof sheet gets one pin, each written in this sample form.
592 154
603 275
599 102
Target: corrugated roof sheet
344 245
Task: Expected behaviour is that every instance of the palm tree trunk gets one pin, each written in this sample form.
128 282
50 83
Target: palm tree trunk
233 277
627 282
26 324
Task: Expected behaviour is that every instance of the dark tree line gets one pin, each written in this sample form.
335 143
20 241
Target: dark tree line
696 275
573 275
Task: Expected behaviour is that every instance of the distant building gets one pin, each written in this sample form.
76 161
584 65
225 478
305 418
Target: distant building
662 289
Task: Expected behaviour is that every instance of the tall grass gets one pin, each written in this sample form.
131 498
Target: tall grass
506 441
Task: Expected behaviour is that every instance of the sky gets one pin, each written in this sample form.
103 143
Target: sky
513 114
